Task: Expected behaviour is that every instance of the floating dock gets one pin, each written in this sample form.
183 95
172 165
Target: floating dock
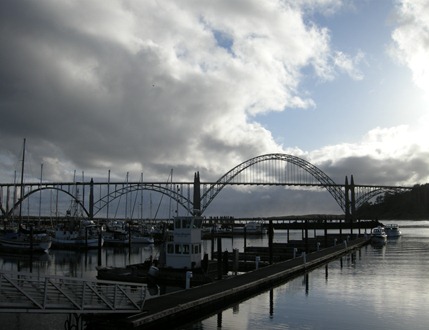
179 307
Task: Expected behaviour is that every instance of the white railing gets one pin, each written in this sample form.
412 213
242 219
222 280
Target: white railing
27 292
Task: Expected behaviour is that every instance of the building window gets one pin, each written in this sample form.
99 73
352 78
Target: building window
186 223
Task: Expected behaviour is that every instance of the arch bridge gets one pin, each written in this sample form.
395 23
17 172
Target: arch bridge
276 169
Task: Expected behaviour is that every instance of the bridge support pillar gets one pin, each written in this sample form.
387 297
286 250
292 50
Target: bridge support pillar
347 199
350 200
197 195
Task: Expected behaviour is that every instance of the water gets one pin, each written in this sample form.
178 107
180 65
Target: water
377 287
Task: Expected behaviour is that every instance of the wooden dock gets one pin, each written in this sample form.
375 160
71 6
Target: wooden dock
179 307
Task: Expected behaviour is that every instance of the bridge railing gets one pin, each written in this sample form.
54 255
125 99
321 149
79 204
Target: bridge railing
27 292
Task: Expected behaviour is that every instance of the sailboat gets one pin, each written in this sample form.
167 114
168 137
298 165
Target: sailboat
18 239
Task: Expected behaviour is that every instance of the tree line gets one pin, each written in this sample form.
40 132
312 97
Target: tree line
405 205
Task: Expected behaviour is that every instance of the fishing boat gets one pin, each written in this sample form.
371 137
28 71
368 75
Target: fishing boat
115 233
142 234
392 230
77 234
17 241
120 233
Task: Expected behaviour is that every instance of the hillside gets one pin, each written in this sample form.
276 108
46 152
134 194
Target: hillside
408 205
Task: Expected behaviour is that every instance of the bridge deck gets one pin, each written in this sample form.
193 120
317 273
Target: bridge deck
27 292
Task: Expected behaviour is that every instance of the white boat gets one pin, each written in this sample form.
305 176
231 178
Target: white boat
378 235
84 235
392 230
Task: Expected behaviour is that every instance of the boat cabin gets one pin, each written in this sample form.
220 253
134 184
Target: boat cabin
184 250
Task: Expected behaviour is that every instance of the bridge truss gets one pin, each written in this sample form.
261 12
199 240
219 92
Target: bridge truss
93 198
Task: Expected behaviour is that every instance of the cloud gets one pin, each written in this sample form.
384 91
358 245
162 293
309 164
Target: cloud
411 39
147 86
144 86
385 156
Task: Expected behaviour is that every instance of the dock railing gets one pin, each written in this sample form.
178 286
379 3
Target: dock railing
32 293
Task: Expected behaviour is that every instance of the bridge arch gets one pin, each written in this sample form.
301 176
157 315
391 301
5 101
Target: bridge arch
334 189
28 194
185 202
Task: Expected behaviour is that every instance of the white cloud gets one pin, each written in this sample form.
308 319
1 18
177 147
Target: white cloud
411 39
348 64
388 156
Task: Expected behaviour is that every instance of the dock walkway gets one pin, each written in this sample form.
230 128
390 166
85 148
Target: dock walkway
174 308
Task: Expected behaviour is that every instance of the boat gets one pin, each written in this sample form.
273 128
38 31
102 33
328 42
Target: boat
392 230
378 235
251 228
76 232
83 234
115 234
119 233
141 238
17 241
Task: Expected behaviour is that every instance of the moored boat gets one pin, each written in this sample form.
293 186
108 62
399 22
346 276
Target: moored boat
251 228
17 241
82 235
378 235
392 230
120 233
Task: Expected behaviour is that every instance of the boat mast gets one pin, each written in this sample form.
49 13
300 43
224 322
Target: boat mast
22 183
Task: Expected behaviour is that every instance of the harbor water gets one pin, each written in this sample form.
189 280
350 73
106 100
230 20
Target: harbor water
377 287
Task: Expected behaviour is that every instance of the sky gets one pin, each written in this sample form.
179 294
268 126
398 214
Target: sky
149 86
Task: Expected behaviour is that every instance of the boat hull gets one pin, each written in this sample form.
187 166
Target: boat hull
25 246
91 243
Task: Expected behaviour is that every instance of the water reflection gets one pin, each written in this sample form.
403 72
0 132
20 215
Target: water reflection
76 263
375 287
